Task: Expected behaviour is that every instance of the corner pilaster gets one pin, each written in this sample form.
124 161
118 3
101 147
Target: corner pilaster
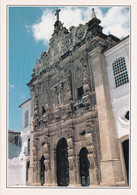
111 167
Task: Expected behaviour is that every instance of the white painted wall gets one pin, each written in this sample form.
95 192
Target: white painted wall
17 166
120 96
16 172
25 132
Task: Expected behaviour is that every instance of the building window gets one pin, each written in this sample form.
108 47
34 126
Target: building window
26 118
27 171
120 72
28 146
127 115
16 140
80 92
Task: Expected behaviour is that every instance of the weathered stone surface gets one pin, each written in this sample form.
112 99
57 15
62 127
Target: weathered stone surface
70 100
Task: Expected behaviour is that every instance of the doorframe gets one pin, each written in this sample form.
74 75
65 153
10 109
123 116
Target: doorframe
56 159
121 140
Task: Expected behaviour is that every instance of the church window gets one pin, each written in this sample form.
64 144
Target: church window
26 118
80 92
120 72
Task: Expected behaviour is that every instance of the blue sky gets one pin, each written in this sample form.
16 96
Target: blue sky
30 28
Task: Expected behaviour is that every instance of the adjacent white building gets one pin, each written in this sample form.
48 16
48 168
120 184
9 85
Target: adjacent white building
18 167
118 67
25 135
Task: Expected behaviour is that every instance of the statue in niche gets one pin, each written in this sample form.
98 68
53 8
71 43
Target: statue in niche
78 73
38 67
53 98
56 97
59 98
36 115
86 88
68 94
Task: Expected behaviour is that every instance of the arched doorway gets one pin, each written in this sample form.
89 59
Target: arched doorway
84 167
125 145
42 170
62 163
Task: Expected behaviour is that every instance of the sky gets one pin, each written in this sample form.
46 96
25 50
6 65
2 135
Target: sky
30 29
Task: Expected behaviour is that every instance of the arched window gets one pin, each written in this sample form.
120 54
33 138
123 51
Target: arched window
26 118
120 71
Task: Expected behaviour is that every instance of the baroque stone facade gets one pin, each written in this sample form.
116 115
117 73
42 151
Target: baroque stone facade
73 135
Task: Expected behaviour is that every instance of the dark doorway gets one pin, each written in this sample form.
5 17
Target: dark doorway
80 92
42 170
125 145
84 167
62 163
27 173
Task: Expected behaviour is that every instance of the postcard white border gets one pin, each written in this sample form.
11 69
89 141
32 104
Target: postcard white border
3 98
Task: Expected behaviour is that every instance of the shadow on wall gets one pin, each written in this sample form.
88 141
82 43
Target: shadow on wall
13 150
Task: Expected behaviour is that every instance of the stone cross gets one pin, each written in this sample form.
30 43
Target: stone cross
93 13
57 14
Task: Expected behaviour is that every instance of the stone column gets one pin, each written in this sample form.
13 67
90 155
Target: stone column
77 172
92 169
111 169
71 162
53 171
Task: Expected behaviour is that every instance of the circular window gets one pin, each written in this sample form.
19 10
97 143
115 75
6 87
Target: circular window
123 116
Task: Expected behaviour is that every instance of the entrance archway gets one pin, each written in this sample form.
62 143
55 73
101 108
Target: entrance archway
42 170
125 145
84 167
62 163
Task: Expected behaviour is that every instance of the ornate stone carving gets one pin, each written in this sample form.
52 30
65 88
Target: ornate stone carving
86 88
38 68
78 73
46 163
46 149
36 116
71 163
80 32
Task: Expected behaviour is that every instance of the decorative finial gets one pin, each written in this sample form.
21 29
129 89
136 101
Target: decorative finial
93 13
57 14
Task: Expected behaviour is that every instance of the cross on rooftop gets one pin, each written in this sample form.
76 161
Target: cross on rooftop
93 13
57 14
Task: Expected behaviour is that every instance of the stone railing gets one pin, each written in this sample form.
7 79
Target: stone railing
78 102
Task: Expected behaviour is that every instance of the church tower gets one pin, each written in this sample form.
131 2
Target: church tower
73 134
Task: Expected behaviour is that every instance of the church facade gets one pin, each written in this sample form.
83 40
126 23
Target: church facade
73 139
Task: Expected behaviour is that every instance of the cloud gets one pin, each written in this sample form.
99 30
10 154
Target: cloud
43 29
12 86
115 21
28 28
